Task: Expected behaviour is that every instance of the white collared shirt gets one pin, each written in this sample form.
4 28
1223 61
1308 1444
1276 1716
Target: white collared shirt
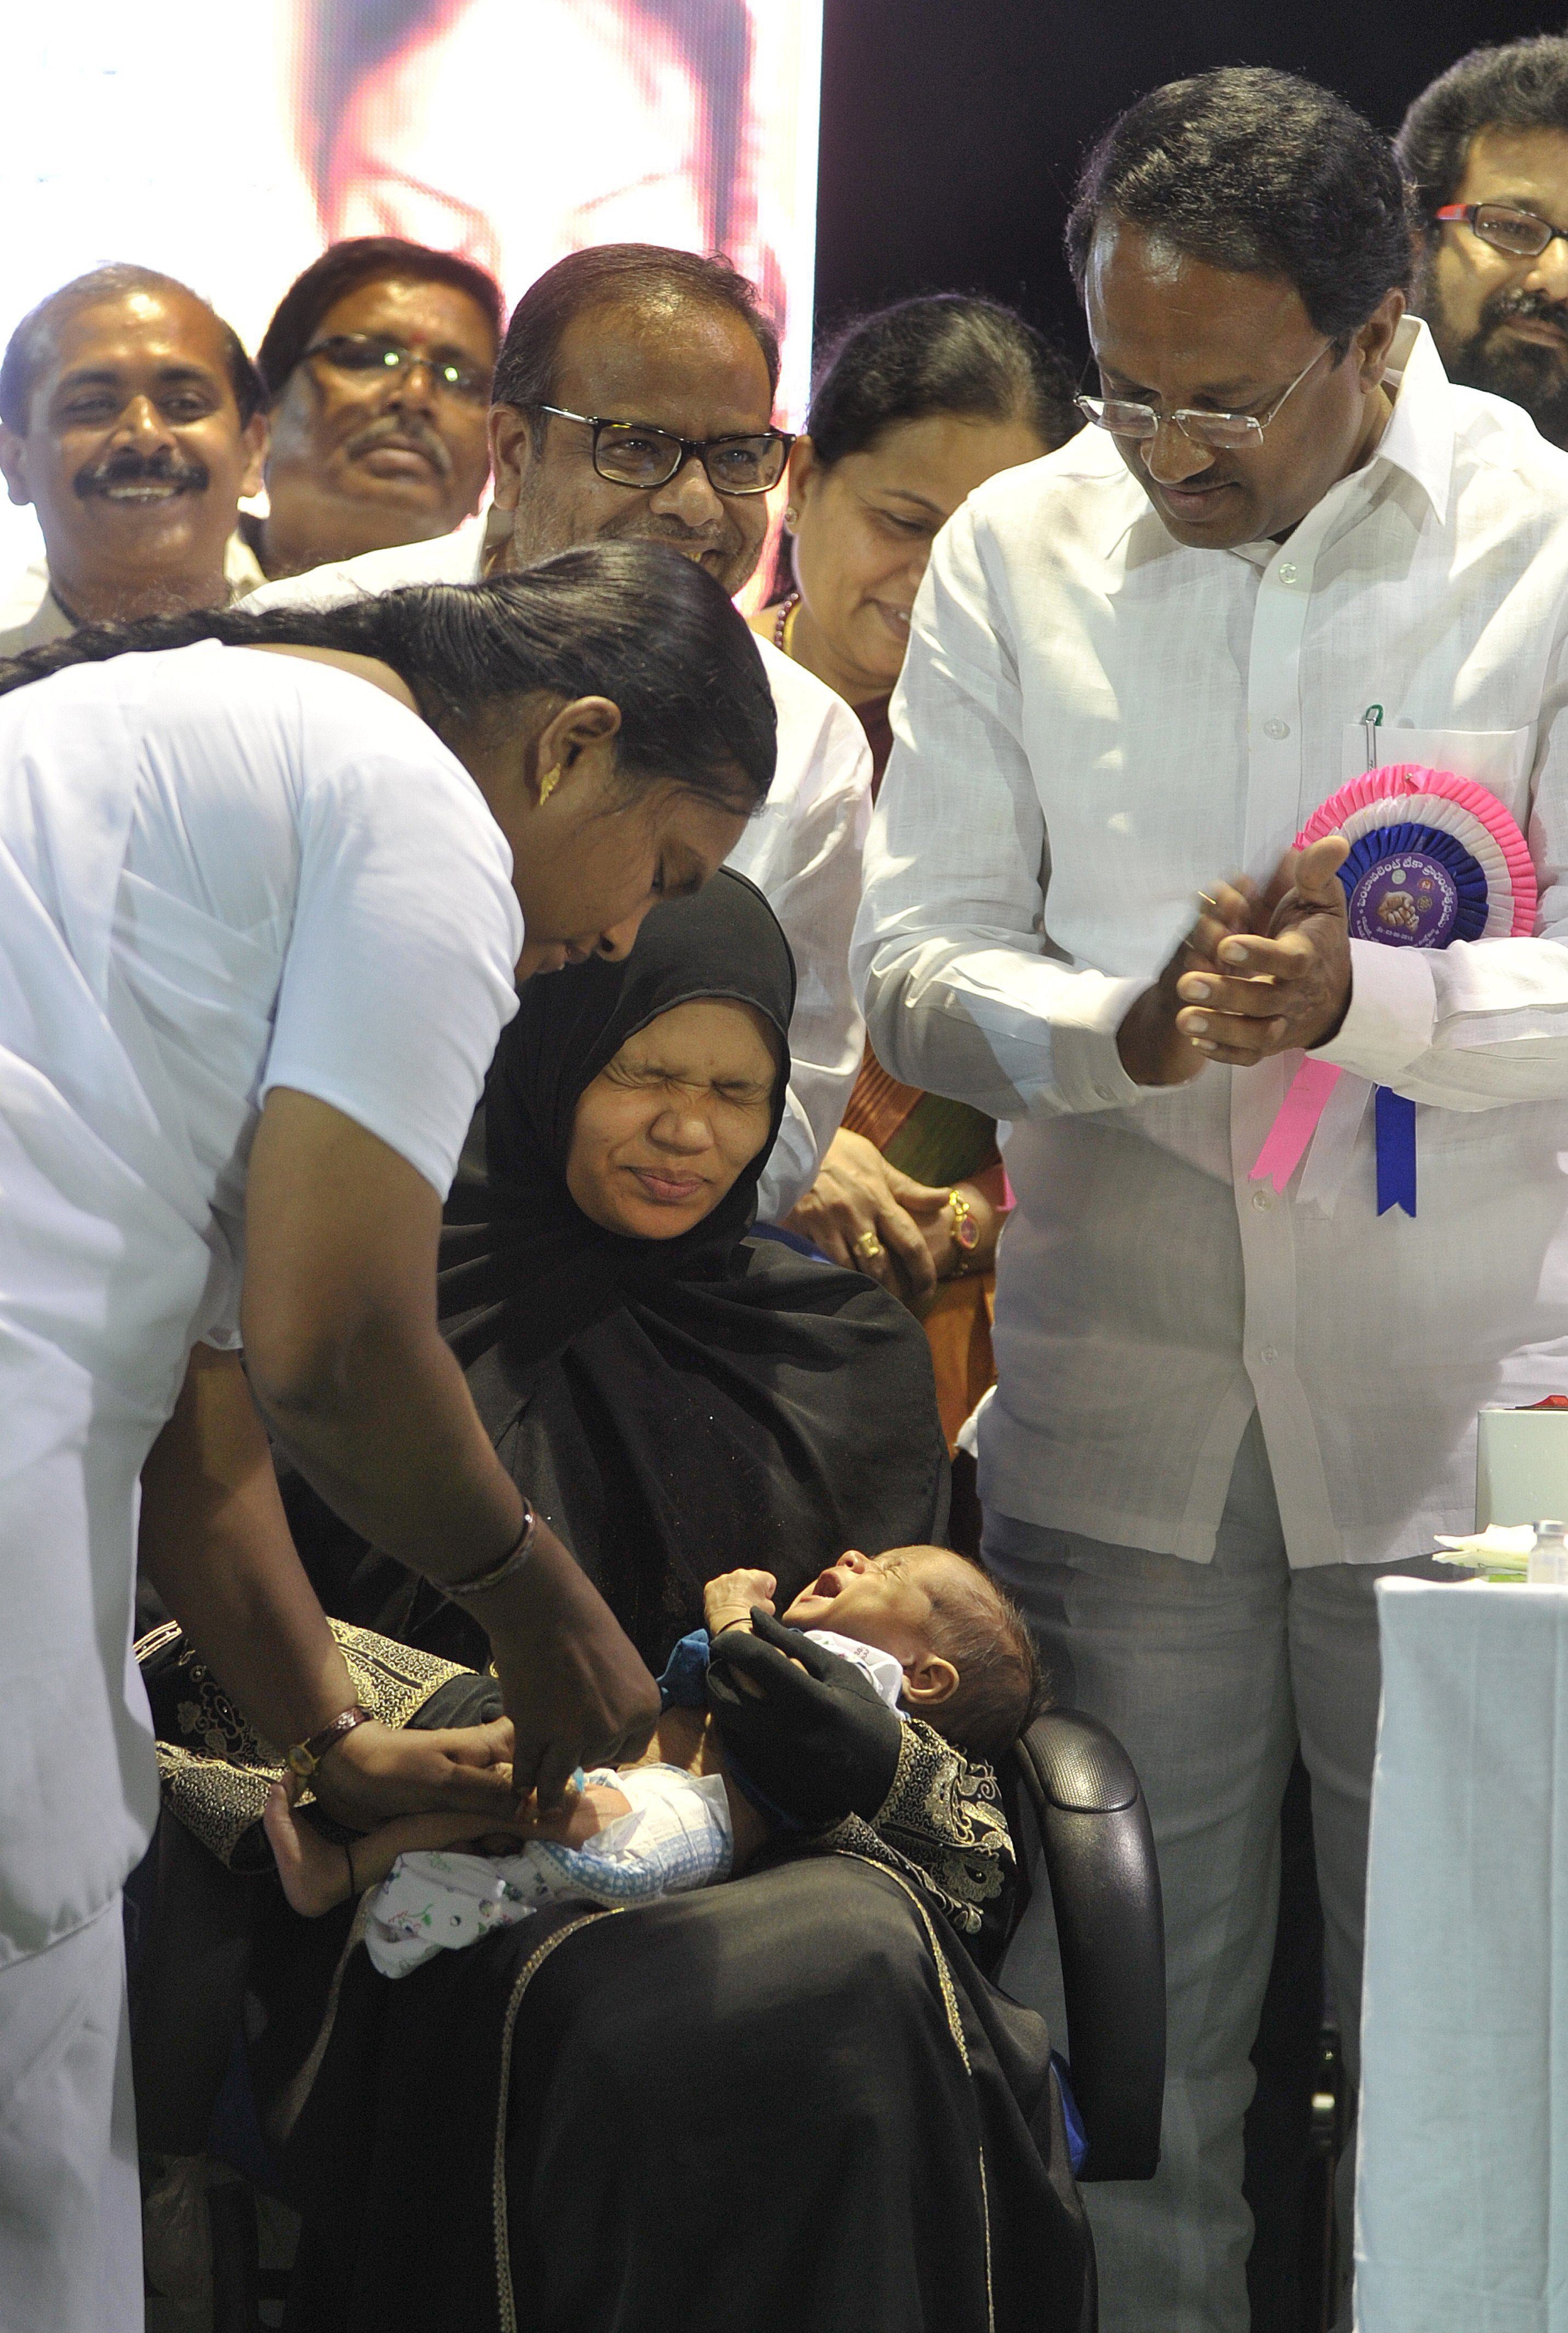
1094 721
803 850
31 615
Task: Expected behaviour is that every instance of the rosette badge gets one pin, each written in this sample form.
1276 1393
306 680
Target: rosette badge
1433 859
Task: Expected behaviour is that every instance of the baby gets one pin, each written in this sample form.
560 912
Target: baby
933 1634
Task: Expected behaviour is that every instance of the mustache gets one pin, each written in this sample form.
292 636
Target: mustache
404 429
1526 307
164 468
639 525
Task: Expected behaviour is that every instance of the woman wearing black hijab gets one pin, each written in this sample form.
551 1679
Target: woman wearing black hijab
790 2101
674 1407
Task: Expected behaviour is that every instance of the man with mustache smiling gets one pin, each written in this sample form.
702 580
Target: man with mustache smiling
1486 148
377 364
130 419
634 398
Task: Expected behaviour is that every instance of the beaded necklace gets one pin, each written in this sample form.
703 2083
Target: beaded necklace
784 629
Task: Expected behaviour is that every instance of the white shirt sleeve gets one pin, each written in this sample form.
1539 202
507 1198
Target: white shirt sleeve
804 851
400 972
949 954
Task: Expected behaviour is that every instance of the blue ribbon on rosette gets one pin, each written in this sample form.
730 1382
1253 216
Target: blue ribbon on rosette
1408 886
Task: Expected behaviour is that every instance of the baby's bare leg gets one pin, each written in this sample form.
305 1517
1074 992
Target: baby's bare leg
318 1874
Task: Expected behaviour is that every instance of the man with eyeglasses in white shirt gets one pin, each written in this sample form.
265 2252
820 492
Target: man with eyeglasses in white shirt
1486 150
377 364
634 398
1136 667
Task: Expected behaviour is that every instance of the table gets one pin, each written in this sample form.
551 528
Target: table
1462 2191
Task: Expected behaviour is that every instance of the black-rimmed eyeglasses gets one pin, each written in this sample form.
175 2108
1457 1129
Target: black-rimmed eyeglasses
1520 234
630 454
361 353
1220 432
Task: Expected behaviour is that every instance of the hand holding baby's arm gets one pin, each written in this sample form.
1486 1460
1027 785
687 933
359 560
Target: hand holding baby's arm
727 1601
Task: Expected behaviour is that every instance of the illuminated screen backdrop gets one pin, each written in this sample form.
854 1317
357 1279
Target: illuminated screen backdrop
226 144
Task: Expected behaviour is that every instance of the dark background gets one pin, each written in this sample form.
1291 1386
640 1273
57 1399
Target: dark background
952 130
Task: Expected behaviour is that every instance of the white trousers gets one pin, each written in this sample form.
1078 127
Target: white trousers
69 2198
1209 1674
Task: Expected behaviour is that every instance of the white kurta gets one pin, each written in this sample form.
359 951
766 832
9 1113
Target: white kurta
1094 721
803 851
219 871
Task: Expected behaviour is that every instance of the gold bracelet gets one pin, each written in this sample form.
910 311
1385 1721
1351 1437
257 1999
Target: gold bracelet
966 1233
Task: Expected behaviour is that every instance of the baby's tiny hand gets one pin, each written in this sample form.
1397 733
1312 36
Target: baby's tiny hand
730 1598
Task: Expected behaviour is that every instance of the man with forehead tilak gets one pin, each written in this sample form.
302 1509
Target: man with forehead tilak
633 397
1229 1402
377 364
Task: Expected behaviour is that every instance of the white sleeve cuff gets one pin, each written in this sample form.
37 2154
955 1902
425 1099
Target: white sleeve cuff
1086 1066
792 1169
1393 1011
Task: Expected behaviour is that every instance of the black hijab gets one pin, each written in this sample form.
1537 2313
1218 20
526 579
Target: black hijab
672 1407
514 1238
675 1407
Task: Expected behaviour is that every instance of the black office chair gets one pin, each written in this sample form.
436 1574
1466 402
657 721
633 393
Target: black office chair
1083 1800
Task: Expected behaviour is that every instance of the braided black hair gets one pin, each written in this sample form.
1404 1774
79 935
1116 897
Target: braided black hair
631 621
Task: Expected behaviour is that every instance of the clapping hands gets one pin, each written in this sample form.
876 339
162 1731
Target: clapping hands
1259 973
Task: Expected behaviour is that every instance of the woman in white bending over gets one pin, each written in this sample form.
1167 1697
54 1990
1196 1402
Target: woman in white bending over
261 915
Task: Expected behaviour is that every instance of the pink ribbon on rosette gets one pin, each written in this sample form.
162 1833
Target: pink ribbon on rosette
1404 795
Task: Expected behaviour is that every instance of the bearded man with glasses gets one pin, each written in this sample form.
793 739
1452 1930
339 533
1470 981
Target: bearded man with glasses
1486 148
633 397
1227 1405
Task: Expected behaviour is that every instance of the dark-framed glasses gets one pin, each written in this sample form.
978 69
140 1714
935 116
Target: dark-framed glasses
1222 432
632 454
358 355
1520 234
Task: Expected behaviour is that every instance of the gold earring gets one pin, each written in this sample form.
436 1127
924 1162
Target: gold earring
547 784
789 516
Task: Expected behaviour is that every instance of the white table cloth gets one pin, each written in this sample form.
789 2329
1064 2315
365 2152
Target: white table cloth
1462 2196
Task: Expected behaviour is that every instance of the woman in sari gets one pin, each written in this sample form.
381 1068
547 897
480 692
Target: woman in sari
918 405
791 2100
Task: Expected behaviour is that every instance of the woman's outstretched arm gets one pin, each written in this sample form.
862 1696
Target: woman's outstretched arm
350 1368
215 1543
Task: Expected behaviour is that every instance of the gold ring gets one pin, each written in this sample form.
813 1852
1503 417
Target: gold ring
868 1245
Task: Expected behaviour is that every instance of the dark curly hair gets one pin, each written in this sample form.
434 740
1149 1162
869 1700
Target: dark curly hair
1521 86
1264 173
